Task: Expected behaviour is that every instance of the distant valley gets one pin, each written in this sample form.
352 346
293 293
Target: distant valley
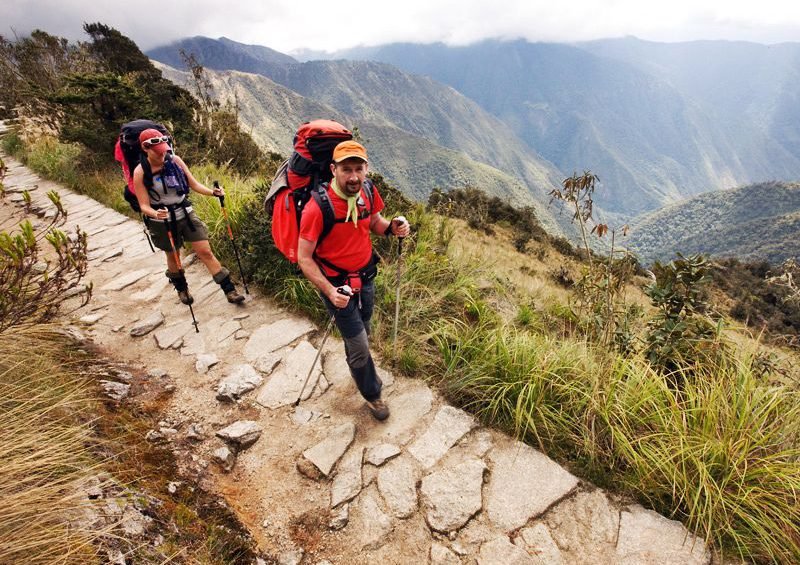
658 123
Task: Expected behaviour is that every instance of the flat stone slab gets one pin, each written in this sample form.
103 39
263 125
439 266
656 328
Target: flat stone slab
397 483
407 411
267 363
449 426
205 361
373 525
92 318
241 434
103 254
227 329
153 291
648 538
538 542
327 453
194 343
283 386
125 280
273 336
241 380
171 336
347 482
441 555
501 551
452 495
585 527
379 454
523 484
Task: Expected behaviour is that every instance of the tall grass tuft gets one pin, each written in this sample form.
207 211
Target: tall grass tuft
45 452
723 454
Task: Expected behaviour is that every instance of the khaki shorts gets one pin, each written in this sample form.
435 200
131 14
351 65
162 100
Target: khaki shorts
158 232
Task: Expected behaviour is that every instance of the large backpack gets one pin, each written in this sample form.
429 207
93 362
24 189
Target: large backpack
129 153
300 178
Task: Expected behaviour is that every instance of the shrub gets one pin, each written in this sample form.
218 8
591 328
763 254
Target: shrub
681 333
32 283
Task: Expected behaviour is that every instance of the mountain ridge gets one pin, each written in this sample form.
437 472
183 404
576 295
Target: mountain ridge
754 222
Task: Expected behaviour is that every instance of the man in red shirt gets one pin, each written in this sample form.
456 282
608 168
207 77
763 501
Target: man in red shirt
344 258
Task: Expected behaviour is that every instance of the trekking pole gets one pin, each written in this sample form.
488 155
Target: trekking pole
147 233
233 241
180 269
342 290
397 290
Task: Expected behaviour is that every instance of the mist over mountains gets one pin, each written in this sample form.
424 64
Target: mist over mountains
657 122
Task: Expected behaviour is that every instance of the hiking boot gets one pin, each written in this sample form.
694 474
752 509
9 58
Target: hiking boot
379 409
185 297
234 297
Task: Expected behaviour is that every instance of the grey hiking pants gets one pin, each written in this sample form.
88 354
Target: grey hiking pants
353 323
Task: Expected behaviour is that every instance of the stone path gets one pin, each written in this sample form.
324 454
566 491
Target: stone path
324 482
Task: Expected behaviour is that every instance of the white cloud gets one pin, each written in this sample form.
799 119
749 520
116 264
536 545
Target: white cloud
317 24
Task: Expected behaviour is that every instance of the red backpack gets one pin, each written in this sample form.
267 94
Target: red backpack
298 180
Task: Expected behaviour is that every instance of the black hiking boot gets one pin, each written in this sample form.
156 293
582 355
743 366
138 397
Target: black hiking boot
178 280
223 279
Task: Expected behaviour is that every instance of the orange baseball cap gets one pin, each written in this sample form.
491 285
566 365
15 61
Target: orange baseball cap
348 150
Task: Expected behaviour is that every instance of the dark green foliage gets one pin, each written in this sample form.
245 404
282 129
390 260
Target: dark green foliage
31 69
89 90
120 54
565 248
759 303
681 333
482 211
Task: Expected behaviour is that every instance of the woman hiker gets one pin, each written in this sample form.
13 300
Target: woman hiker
162 182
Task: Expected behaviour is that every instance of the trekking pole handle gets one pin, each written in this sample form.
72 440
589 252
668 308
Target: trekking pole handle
400 220
346 290
221 196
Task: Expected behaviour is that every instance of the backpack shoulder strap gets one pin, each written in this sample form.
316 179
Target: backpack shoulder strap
320 195
368 188
147 170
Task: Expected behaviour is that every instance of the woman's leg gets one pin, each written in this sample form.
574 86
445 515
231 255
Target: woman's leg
203 251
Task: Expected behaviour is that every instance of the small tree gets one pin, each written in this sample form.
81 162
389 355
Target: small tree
602 284
681 330
577 193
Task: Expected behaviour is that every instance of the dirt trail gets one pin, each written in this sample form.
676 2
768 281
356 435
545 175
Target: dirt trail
428 485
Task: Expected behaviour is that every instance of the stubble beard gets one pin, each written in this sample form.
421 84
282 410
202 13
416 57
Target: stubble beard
351 189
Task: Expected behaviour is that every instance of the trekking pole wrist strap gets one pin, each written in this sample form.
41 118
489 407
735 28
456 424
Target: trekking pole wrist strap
388 231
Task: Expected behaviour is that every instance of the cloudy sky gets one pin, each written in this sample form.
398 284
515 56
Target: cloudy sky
287 25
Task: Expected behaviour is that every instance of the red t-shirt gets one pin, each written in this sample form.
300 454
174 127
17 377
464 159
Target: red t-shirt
346 246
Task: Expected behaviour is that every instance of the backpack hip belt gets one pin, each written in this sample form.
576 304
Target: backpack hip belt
354 279
186 206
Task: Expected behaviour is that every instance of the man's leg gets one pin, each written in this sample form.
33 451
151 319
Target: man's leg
356 345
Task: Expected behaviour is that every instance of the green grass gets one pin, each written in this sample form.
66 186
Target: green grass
722 454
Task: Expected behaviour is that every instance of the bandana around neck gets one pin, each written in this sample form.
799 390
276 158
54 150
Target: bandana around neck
352 207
